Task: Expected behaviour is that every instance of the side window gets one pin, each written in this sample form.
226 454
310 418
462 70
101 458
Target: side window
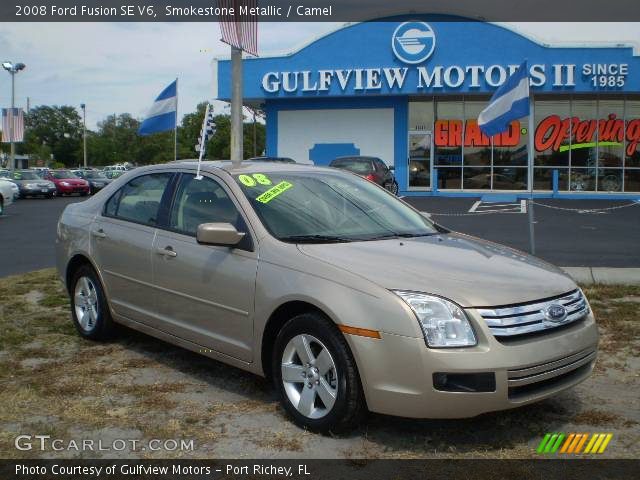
382 167
201 201
139 200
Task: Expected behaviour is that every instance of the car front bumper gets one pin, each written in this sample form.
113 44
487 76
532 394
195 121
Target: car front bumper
398 372
72 189
37 191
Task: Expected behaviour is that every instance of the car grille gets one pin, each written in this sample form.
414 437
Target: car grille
534 316
525 382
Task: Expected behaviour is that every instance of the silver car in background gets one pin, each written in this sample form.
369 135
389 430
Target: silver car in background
345 296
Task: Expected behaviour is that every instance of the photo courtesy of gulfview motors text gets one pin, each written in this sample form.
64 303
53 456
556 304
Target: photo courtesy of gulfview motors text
251 238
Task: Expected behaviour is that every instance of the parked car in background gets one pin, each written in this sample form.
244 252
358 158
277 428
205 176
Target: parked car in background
97 179
67 183
4 173
14 187
113 174
345 297
31 184
7 192
371 168
272 159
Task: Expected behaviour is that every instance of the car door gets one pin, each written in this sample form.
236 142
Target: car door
121 241
205 294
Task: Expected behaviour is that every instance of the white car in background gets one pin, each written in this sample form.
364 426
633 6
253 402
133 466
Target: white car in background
8 191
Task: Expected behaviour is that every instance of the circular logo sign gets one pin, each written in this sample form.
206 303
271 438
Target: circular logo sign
413 42
555 313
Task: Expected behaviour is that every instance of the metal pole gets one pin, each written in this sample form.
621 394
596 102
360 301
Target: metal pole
175 129
255 142
236 107
12 156
84 133
532 240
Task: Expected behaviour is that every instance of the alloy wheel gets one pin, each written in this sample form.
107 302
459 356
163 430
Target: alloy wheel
85 302
309 376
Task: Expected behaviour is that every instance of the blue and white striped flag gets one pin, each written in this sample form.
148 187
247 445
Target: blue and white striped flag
509 103
163 113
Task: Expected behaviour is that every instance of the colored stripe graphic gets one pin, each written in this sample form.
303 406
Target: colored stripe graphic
573 443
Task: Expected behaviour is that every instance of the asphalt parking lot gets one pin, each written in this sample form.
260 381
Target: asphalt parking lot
568 238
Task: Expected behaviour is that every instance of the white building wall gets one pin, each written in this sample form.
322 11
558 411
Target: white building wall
369 129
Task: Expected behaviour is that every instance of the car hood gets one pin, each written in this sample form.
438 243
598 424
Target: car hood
467 270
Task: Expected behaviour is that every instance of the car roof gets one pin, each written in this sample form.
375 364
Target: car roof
249 166
355 157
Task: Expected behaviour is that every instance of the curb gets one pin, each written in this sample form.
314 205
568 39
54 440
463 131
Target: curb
604 275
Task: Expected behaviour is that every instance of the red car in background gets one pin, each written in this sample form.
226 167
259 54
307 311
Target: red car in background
67 182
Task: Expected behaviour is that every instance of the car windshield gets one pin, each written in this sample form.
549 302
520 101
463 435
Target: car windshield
355 165
329 207
26 176
60 174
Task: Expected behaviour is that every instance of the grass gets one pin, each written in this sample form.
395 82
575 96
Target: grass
54 382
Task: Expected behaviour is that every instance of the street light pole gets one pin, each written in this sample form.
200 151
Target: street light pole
12 68
84 133
12 155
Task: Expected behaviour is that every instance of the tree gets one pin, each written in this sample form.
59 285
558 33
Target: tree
59 128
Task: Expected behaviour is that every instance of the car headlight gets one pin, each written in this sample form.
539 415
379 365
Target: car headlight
65 184
31 185
443 323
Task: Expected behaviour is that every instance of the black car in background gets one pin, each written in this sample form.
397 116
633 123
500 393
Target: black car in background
97 179
371 168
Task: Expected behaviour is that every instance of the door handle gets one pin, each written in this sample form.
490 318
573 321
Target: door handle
167 252
99 233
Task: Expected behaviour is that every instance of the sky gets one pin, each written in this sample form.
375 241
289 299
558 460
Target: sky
122 67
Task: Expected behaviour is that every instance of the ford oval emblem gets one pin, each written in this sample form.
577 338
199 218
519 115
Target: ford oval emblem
555 313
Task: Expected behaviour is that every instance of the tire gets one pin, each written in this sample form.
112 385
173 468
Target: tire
394 188
91 317
308 400
1 206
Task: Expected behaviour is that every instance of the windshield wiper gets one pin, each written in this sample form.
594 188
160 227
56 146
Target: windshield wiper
402 235
315 239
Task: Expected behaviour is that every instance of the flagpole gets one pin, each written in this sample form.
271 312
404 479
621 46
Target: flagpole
175 128
532 240
202 141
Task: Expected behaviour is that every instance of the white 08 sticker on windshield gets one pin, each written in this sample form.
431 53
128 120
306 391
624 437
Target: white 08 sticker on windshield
253 180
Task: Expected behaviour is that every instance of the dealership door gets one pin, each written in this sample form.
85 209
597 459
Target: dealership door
419 168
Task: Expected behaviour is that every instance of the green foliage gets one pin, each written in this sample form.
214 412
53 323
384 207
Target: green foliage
59 128
116 139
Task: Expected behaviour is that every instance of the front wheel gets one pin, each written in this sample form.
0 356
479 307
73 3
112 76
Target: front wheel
316 375
89 308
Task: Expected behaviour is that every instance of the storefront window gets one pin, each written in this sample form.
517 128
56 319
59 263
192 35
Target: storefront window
553 132
632 131
421 115
543 178
447 134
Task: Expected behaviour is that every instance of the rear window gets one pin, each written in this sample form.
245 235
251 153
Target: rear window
355 165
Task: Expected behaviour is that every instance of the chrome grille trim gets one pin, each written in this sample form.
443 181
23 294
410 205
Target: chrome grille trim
528 318
539 373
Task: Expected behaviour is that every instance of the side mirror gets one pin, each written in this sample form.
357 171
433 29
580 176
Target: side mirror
221 234
392 167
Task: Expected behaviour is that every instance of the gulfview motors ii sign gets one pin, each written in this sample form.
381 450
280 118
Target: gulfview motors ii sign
413 43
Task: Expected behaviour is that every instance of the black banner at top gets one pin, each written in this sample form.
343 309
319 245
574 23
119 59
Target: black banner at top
317 10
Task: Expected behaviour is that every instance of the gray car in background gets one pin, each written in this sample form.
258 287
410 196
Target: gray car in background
31 184
347 298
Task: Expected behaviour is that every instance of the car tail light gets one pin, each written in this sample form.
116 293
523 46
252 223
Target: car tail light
370 177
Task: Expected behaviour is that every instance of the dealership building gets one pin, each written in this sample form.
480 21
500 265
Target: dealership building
409 90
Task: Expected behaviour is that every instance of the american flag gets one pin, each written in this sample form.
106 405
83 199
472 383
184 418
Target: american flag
240 31
15 116
208 130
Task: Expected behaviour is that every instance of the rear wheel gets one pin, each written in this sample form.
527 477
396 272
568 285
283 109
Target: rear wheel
316 375
89 308
393 188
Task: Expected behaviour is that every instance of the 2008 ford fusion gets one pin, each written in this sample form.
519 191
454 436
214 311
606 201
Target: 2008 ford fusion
346 297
